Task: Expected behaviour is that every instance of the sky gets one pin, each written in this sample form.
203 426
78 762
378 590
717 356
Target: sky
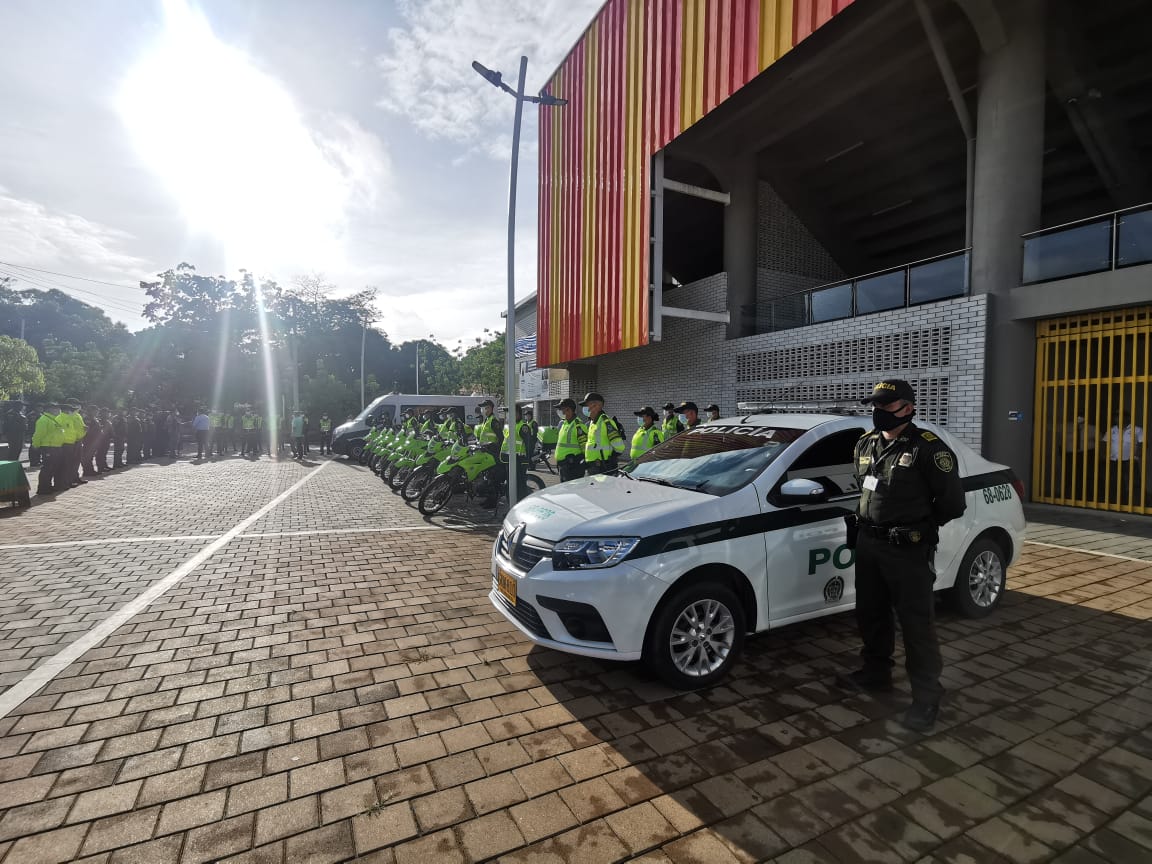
347 138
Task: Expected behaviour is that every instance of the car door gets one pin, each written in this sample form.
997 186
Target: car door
810 569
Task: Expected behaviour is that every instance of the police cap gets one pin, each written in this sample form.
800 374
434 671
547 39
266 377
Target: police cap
592 397
565 403
890 390
686 406
668 406
487 402
646 411
712 407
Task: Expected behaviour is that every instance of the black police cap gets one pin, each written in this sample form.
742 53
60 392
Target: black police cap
890 390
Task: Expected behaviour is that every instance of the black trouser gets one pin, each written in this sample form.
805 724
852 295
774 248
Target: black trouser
88 457
102 455
69 465
33 456
118 453
298 446
50 478
570 468
201 442
325 442
604 466
15 448
898 578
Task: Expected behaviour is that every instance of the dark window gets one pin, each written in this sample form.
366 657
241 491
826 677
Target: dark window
830 461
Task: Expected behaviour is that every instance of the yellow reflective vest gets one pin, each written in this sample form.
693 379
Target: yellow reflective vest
570 439
645 439
73 426
485 433
519 438
49 432
604 440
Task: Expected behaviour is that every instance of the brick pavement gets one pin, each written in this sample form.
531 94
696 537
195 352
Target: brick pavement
326 697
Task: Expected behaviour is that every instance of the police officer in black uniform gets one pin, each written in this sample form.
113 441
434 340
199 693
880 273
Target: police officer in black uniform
910 486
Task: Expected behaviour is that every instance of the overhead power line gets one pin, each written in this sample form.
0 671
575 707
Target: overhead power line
71 276
47 285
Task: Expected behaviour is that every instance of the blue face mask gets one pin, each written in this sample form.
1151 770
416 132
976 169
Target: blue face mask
586 411
682 419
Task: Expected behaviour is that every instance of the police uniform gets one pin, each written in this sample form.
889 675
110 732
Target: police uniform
671 425
605 442
325 435
646 437
570 440
910 486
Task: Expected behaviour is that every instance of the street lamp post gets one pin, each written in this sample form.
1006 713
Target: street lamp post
496 80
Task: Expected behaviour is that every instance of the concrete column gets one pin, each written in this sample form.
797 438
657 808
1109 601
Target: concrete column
740 180
1009 166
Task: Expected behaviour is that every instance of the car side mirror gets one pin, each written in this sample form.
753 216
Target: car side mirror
802 491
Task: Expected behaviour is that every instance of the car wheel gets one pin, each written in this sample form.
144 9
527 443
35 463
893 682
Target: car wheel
354 452
696 636
980 581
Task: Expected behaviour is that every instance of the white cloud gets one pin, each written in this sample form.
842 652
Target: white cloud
427 71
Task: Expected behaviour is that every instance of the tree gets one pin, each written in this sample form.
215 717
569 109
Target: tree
482 367
20 370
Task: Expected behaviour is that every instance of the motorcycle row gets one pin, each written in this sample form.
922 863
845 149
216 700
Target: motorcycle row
430 467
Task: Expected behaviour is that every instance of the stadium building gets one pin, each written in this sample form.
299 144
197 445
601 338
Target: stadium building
780 201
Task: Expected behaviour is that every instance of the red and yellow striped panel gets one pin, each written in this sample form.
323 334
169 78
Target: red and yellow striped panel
644 71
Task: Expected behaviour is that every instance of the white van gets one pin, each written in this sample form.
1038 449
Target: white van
348 438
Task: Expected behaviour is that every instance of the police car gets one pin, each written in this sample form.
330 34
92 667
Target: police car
733 528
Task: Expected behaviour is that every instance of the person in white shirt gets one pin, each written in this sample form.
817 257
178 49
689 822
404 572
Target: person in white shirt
1125 445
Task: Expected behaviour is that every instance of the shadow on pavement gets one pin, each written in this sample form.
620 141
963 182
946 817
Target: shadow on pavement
779 756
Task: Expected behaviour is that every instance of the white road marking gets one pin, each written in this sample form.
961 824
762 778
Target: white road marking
1088 551
53 666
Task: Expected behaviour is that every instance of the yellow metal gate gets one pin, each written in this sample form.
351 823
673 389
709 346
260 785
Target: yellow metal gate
1092 386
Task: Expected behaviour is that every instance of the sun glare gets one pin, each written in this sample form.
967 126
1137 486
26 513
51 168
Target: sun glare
230 145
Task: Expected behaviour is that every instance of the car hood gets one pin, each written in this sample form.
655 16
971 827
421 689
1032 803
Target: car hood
610 507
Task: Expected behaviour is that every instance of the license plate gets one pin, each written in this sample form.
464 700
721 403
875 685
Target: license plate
506 585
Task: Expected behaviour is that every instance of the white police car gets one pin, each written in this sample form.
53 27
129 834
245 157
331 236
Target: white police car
735 527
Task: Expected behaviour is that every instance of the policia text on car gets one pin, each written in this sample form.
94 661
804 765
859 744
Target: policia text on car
910 486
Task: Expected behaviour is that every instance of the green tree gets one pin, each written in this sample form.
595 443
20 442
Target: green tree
482 367
20 370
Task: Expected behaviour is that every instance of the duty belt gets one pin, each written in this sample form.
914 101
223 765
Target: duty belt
896 535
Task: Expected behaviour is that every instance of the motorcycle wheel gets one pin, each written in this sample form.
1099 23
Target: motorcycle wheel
416 483
400 478
533 483
388 473
437 494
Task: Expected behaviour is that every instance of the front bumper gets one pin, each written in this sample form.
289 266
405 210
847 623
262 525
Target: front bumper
623 598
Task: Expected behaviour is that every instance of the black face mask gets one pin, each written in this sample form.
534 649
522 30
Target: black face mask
886 421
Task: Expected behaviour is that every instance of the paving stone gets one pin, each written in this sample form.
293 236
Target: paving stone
542 817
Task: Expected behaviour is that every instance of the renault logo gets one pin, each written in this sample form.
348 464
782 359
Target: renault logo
516 540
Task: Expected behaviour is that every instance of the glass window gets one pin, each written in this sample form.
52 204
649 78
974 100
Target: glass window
1134 244
831 462
877 293
938 280
716 459
1070 252
828 304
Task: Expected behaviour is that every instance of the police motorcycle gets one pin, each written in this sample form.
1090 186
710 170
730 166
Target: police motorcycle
405 453
391 444
370 440
474 472
424 468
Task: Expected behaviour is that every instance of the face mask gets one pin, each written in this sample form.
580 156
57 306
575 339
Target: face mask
682 419
560 415
640 422
886 421
587 412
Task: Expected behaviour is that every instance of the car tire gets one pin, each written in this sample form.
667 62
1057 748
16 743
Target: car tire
980 581
693 666
355 451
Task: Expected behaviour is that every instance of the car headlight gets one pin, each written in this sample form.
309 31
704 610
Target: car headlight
587 553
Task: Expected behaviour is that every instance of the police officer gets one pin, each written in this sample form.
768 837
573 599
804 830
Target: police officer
605 442
15 428
523 433
33 450
648 435
671 425
910 486
712 412
689 414
534 432
104 442
74 432
48 439
119 438
132 436
325 434
570 441
489 431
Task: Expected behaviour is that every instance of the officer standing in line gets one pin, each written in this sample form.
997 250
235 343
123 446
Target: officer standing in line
33 450
523 433
689 415
712 412
48 439
671 425
648 435
119 438
325 434
605 442
104 442
489 431
74 432
910 486
570 440
533 429
15 428
91 442
132 436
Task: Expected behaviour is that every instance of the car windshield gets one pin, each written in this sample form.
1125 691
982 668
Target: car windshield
359 418
712 459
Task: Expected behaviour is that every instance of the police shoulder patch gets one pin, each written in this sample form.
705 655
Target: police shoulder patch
944 460
928 436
